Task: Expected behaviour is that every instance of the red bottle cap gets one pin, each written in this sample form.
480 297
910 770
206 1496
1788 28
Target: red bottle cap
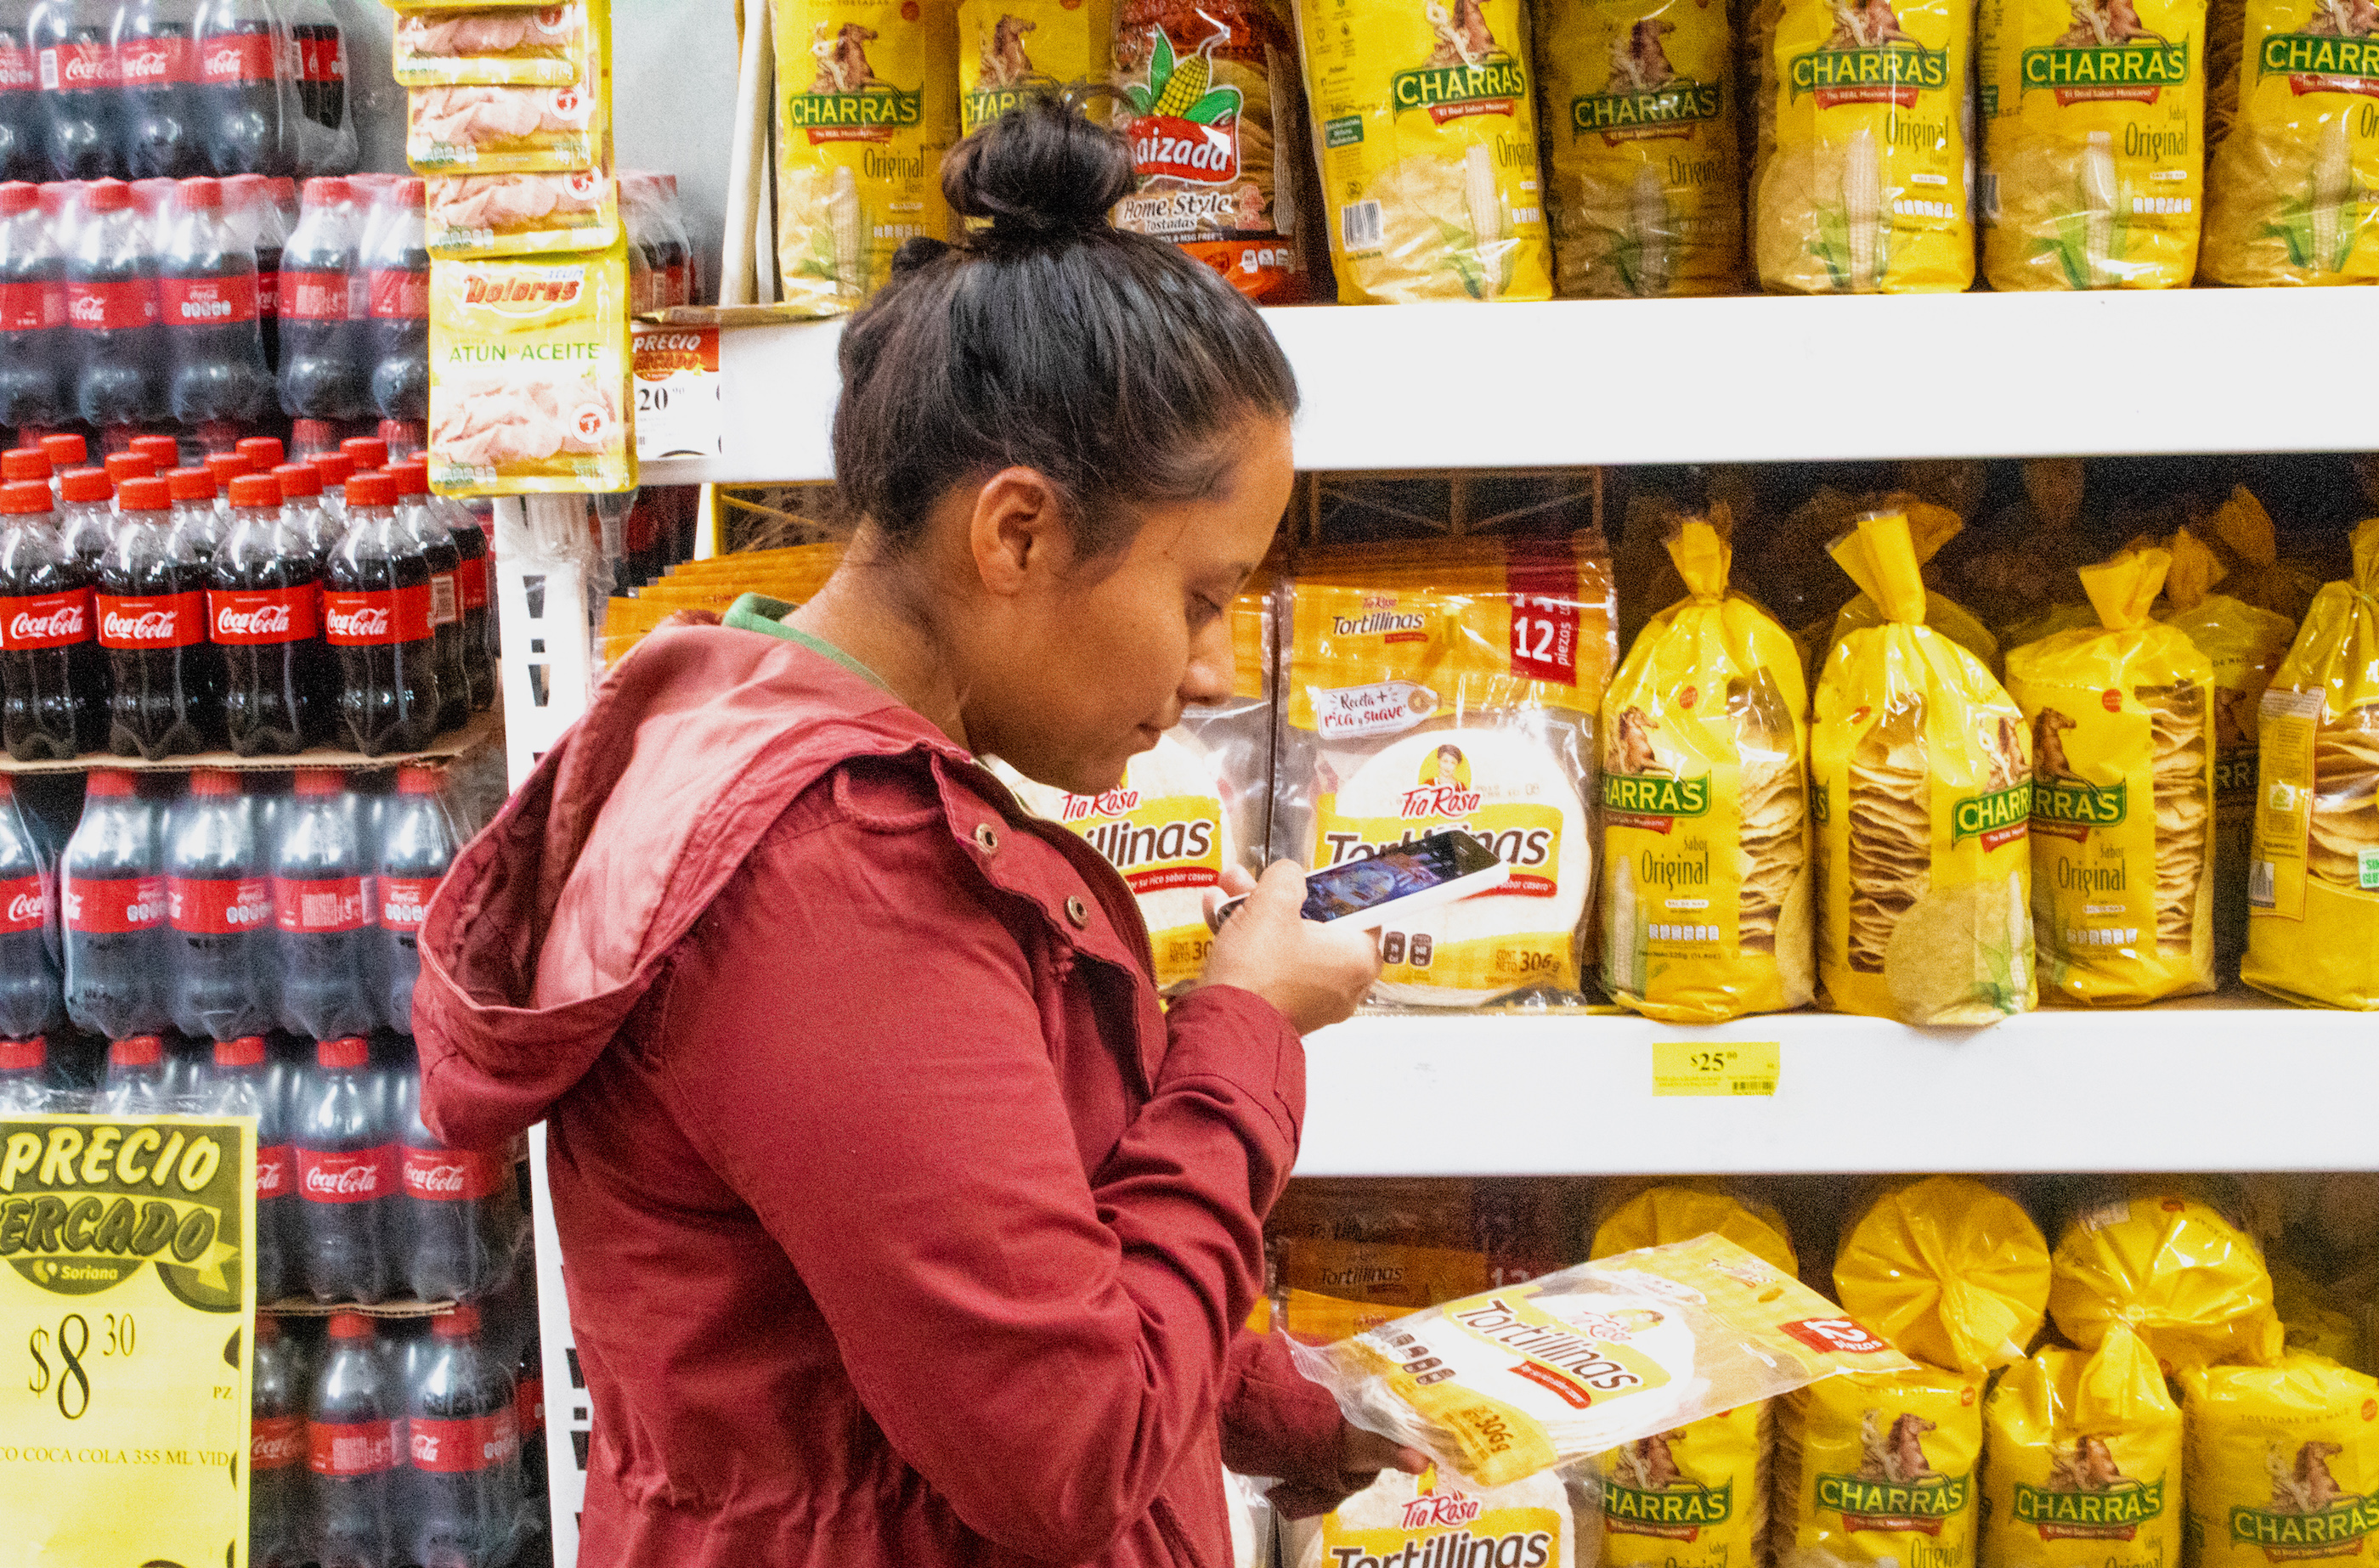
406 191
107 196
122 465
19 196
348 1325
202 194
415 779
18 497
23 1055
191 483
295 479
336 468
328 189
402 435
459 1322
320 781
141 1051
369 452
65 451
227 465
86 484
247 1051
214 781
264 452
353 1051
152 195
144 495
25 463
256 490
412 477
163 452
371 490
109 781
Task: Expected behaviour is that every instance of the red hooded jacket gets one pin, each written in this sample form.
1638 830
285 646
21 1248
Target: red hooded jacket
901 1224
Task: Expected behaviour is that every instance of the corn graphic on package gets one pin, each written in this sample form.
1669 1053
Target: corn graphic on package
2295 143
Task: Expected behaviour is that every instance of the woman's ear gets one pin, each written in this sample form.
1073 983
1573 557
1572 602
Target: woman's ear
1018 532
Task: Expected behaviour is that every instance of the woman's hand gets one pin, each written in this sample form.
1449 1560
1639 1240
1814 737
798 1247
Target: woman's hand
1314 971
1362 1455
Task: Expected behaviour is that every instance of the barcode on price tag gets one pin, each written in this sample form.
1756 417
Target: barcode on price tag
1722 1067
679 411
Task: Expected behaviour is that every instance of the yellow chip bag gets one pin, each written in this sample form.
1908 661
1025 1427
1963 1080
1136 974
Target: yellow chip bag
2295 148
1647 191
2311 1318
1880 1468
1425 122
1679 1210
2083 1462
2169 1267
1706 827
1012 50
1316 1318
867 104
1441 1520
2283 1463
2244 531
2093 120
1863 109
1952 1271
1930 528
2312 932
1921 787
2122 795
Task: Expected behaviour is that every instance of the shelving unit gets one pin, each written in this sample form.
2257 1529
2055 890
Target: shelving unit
481 729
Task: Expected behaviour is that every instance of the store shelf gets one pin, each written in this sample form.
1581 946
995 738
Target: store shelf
2231 1082
1720 380
485 729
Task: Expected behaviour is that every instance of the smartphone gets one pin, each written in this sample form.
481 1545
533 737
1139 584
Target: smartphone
1395 883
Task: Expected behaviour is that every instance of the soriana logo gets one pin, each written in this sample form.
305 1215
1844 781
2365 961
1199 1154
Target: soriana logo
46 621
165 621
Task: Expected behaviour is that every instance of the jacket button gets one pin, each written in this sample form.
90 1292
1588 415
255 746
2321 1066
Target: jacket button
1079 913
984 836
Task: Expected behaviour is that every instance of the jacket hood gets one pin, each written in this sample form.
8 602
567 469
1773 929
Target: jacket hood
690 750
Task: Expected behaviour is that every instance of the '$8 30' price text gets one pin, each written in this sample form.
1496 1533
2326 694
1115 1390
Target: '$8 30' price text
59 1357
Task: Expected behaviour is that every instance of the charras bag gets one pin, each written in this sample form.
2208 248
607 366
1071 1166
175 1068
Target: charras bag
2291 156
1874 1467
2082 1461
2283 1463
2170 1268
1952 1271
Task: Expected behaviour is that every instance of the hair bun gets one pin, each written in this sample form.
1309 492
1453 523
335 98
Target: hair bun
1040 169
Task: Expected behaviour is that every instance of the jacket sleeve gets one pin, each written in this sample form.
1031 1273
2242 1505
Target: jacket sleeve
876 1081
1277 1421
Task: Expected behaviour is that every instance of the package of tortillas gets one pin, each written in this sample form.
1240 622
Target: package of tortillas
1453 684
1544 1521
1498 1386
1194 804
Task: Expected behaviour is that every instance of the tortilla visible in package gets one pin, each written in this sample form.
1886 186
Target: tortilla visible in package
1707 883
867 106
2093 142
2313 931
1425 126
2122 796
520 215
2083 1462
1646 193
1951 1271
1431 687
2283 1463
1921 784
2173 1270
1880 1468
1501 1385
2291 159
505 46
1438 1518
528 376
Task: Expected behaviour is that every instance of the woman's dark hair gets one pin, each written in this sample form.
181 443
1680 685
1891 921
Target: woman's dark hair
1113 364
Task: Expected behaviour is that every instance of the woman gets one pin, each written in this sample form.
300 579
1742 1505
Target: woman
902 1225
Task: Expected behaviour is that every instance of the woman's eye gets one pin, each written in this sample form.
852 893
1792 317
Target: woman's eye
1203 609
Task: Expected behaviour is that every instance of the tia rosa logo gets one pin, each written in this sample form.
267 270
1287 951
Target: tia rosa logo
1115 802
63 621
1440 800
148 626
364 621
1441 1508
262 622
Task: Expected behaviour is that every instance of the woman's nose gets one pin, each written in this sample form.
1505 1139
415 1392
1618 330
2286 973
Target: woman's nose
1208 680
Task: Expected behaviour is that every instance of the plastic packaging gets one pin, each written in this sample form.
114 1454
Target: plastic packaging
240 87
1950 1271
472 215
1866 1463
347 1177
165 687
112 301
37 346
1435 1518
356 1447
157 67
277 1448
2283 1463
74 62
512 130
22 154
53 677
112 893
325 370
320 862
219 908
2171 1269
463 1435
2082 1459
207 290
1032 48
264 614
376 616
31 1001
2289 157
509 46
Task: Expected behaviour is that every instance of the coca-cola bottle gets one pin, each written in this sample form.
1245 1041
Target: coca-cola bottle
403 438
416 844
263 452
376 614
223 467
462 1218
206 285
325 370
164 452
276 1444
435 540
240 88
355 1426
198 525
219 908
136 1082
528 1381
166 686
312 440
347 1174
112 887
156 60
398 268
37 365
474 588
24 1077
247 1081
464 1433
318 870
53 682
31 1001
336 469
324 142
310 518
248 204
263 610
74 67
86 522
112 301
22 156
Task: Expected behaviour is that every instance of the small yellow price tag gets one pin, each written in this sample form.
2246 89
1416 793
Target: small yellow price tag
1724 1067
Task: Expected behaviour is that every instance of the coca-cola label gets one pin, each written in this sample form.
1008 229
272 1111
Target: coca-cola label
32 308
276 1171
247 617
16 68
528 1398
386 615
113 906
275 1443
359 1177
313 296
24 906
46 620
162 620
397 295
453 1176
224 908
358 1448
445 600
471 582
316 909
403 900
154 62
207 302
267 293
475 1442
118 307
237 56
78 67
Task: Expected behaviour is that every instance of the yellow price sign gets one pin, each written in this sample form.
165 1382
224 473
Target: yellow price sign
127 1304
1715 1066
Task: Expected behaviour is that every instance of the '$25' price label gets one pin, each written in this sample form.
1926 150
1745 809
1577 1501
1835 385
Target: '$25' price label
1715 1066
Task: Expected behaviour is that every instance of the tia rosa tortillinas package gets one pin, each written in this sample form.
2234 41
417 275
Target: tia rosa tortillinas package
1434 1520
1453 687
1498 1386
528 376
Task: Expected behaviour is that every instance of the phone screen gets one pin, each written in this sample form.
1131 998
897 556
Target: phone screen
1394 874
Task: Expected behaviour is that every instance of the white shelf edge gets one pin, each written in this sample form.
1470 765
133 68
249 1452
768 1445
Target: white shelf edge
1745 379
